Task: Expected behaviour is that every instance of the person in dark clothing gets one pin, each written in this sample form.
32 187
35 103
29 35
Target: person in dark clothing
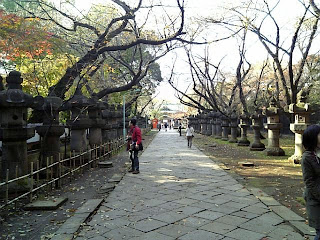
180 129
135 146
165 126
311 176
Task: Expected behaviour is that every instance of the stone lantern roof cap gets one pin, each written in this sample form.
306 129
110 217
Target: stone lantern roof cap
234 115
14 80
257 114
15 97
244 116
79 100
106 113
273 109
301 105
224 117
218 114
96 104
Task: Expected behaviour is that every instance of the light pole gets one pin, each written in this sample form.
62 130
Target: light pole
124 117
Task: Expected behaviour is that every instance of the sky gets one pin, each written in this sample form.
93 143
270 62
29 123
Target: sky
286 13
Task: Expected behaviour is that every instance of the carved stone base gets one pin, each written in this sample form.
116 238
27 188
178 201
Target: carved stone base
295 159
244 143
233 140
275 152
257 147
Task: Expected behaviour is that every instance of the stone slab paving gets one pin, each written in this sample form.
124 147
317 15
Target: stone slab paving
182 194
72 225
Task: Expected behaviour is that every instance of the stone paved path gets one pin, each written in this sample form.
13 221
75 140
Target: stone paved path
182 194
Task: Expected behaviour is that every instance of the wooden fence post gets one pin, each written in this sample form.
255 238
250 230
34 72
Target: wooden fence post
81 170
6 200
38 174
31 183
47 173
90 157
51 172
59 171
16 189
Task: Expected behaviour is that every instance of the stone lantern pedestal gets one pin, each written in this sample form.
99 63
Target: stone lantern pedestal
218 126
301 111
114 123
244 125
274 126
79 122
203 125
225 128
51 130
234 128
14 132
106 128
213 124
120 123
197 125
257 145
209 124
95 116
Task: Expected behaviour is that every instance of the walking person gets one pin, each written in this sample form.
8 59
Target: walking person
159 126
166 125
136 145
311 176
190 135
180 129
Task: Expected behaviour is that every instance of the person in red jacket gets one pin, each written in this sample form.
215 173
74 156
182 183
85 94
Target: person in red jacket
136 145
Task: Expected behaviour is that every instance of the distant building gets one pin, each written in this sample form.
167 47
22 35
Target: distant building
173 113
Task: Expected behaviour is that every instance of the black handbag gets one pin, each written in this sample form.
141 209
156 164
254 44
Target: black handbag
133 146
140 147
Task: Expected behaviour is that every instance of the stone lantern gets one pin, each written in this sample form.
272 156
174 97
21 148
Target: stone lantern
112 125
209 123
203 126
106 129
14 104
96 122
192 121
1 84
119 117
225 128
51 130
273 124
203 123
218 126
244 125
79 122
257 145
301 111
234 127
114 122
196 125
213 123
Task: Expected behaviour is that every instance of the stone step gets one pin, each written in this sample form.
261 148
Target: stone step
105 164
115 178
72 225
49 204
